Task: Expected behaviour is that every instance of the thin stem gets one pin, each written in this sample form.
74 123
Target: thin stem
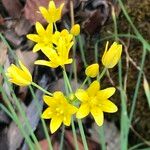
42 120
74 134
67 80
102 74
15 118
82 134
85 80
40 88
102 137
62 137
22 112
55 27
137 85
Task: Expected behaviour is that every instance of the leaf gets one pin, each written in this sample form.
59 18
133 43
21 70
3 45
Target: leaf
3 56
13 7
147 90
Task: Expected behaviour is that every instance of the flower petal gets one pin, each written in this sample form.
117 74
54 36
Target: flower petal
45 14
55 124
81 95
50 101
98 115
36 48
92 70
34 37
106 93
108 106
67 120
47 114
39 28
43 62
93 88
28 76
83 111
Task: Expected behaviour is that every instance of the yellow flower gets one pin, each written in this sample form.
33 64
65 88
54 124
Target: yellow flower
43 38
52 14
92 70
58 57
59 110
63 35
19 75
112 55
75 30
95 101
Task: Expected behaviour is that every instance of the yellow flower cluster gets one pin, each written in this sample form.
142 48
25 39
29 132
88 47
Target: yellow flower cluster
56 46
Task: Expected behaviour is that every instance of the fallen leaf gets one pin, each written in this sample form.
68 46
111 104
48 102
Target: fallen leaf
3 56
13 7
23 26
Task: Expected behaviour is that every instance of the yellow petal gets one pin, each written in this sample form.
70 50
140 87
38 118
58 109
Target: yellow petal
55 124
50 101
83 111
45 14
20 76
108 106
67 120
28 75
47 114
75 30
93 88
45 63
82 95
98 115
36 48
92 70
33 37
49 28
39 28
52 6
106 93
111 57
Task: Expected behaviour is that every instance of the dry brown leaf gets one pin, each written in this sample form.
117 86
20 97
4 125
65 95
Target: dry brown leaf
28 58
3 55
13 7
44 144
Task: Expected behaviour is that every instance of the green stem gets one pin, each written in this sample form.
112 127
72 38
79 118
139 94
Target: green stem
67 80
102 137
102 74
42 120
55 27
40 88
85 80
79 121
82 134
15 118
74 134
62 137
137 85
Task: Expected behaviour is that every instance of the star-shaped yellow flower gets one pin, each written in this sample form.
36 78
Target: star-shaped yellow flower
59 110
95 101
43 38
19 75
52 14
57 57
